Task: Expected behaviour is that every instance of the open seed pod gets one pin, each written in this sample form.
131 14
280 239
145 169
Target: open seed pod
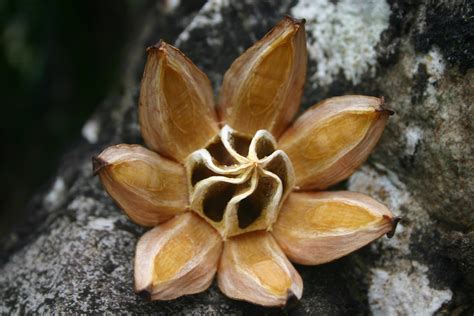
238 183
229 193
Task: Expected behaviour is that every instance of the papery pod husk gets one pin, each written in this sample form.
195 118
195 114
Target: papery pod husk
176 109
262 89
177 258
319 227
148 187
253 268
333 138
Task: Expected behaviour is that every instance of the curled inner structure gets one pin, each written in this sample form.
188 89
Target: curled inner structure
238 183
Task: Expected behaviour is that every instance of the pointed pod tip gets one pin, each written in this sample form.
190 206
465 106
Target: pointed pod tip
395 220
383 108
390 112
160 46
294 20
97 164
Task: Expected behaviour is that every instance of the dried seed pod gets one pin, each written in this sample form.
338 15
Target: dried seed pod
176 111
253 268
256 94
319 227
237 184
333 138
149 188
177 258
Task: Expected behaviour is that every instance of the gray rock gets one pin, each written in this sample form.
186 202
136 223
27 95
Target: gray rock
74 254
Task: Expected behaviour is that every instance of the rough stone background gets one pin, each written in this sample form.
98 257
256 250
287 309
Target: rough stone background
74 252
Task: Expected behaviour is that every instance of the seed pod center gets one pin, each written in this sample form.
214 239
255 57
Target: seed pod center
237 183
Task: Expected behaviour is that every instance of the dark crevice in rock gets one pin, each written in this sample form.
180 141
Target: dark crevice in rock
402 17
449 26
420 82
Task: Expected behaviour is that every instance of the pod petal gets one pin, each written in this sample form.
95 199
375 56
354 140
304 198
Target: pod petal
318 227
253 268
262 88
177 258
176 110
148 187
333 138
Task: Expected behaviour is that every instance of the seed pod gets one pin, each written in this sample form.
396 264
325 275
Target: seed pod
238 184
177 258
176 109
319 227
262 88
253 268
149 188
333 138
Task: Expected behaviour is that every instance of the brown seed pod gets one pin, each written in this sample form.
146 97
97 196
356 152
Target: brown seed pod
148 187
318 227
262 89
333 138
177 258
176 99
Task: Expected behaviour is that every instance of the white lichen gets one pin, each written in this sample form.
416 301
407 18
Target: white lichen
82 204
209 16
435 64
383 185
102 223
398 285
343 36
56 195
435 67
413 135
90 131
405 292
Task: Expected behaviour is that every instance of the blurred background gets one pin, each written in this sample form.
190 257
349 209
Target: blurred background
58 61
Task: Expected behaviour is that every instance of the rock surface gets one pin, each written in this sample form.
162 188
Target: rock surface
74 253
